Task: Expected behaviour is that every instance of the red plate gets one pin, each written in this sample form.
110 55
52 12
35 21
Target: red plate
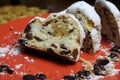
53 67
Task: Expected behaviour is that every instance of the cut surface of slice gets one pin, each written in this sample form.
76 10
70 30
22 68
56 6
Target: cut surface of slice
90 21
61 35
110 20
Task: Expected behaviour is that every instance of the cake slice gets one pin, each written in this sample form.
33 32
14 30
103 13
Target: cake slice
91 23
110 20
59 34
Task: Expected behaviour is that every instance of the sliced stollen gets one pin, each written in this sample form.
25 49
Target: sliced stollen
110 20
91 23
59 34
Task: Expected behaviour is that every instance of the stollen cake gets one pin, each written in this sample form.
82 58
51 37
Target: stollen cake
59 34
110 20
91 23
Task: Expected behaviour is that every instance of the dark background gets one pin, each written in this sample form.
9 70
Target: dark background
51 5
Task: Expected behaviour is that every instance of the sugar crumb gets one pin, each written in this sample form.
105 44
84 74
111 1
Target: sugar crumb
16 50
11 28
18 66
17 33
29 60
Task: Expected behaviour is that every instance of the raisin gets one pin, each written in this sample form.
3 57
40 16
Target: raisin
29 36
38 39
115 49
63 46
113 56
84 74
27 29
105 12
65 52
29 77
53 45
65 21
41 76
50 33
46 23
10 71
22 42
69 77
113 31
71 30
33 21
50 50
99 69
102 61
5 68
88 34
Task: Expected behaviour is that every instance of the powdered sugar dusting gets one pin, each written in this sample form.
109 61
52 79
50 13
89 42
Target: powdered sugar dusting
87 10
112 44
96 77
15 51
2 73
104 49
4 50
96 39
110 67
114 72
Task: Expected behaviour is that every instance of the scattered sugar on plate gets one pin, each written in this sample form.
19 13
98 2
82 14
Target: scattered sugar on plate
114 72
18 66
105 50
22 73
16 50
2 55
29 60
95 77
58 73
112 44
26 58
99 56
71 71
17 33
4 50
2 73
110 67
